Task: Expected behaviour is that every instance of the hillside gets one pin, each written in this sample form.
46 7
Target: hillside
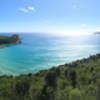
79 80
6 40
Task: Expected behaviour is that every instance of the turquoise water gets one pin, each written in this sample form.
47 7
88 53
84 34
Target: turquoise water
38 52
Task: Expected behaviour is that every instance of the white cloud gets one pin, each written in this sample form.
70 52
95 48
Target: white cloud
23 10
31 8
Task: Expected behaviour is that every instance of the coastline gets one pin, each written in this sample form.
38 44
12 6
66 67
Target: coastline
65 82
3 46
83 60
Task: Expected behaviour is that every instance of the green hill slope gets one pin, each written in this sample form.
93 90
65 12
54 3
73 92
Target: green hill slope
79 80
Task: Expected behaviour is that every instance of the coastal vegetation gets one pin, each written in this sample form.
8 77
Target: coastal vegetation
6 40
79 80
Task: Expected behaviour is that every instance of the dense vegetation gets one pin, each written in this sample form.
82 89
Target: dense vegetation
79 80
9 40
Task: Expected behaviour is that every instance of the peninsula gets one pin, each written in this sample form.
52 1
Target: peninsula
6 40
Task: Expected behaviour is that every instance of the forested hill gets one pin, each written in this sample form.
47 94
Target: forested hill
14 39
79 80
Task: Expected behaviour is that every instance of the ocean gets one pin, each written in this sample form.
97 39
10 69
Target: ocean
39 52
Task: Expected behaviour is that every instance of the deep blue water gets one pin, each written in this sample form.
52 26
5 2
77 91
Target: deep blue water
38 52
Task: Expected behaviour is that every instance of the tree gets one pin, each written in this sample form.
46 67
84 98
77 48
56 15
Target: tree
73 77
51 79
22 88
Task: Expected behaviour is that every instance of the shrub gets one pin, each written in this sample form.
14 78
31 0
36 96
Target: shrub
75 94
22 88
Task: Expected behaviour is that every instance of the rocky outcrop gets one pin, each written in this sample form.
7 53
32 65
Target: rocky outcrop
16 39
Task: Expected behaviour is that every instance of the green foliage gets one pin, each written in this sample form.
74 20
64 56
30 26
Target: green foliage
51 79
75 94
9 40
78 80
22 88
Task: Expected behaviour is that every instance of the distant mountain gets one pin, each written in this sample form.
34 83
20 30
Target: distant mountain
97 33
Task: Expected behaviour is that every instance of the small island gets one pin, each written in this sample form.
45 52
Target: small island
6 40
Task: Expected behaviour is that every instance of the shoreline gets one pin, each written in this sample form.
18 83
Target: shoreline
3 46
79 80
54 67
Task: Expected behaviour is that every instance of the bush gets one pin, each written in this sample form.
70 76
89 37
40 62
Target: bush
51 79
75 94
22 88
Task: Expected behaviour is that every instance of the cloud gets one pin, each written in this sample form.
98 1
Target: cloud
26 10
23 10
31 8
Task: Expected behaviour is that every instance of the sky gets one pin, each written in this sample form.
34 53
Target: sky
51 16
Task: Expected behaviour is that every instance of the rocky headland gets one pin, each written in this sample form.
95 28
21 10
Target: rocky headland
9 40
